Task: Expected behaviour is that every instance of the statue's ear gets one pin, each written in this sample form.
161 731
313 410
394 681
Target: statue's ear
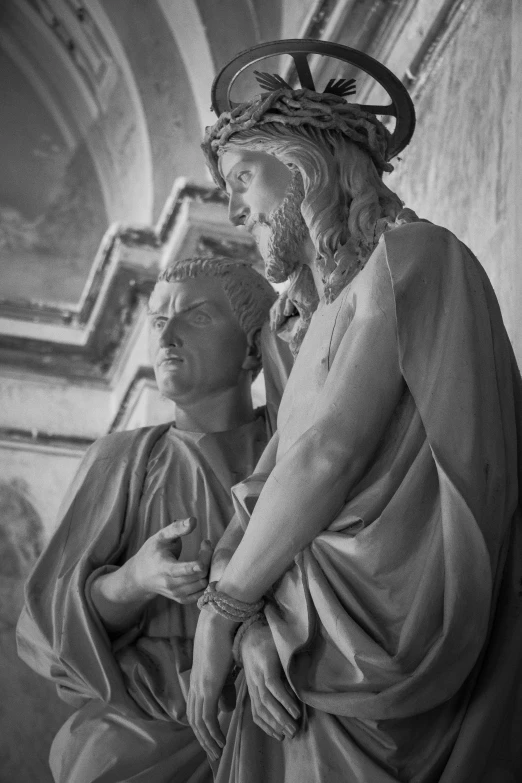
253 355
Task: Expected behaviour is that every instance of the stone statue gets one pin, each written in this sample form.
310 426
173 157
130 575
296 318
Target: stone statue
110 611
370 582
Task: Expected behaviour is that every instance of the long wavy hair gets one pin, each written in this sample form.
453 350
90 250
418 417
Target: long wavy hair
346 205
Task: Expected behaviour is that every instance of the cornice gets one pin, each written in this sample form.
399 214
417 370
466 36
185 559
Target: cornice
27 440
380 28
84 342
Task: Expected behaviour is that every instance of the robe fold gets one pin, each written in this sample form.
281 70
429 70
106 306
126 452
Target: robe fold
130 691
400 627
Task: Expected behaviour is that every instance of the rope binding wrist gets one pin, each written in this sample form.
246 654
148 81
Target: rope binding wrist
258 617
228 607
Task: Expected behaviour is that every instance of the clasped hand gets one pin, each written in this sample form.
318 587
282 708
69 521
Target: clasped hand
156 570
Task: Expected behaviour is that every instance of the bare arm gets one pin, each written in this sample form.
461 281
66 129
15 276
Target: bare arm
310 483
233 535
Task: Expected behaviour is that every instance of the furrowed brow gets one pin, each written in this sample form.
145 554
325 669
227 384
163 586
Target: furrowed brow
196 305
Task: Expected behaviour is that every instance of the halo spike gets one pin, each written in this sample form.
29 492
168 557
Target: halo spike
303 70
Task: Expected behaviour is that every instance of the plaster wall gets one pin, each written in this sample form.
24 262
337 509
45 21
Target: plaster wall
43 474
54 406
32 485
460 169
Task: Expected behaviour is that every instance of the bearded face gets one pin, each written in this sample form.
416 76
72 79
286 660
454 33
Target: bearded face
281 235
266 197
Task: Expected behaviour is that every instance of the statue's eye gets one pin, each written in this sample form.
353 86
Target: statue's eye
200 318
158 323
244 177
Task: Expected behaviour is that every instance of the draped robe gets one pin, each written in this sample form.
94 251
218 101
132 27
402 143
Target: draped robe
400 627
130 692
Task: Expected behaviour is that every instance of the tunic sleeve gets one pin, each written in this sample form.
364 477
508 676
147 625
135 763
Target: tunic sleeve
59 632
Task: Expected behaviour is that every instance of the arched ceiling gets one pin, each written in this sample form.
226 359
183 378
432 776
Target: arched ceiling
104 106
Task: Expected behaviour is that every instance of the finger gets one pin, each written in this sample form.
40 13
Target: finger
206 551
188 568
274 713
279 690
194 711
208 729
258 720
210 751
182 588
175 581
180 527
191 599
263 719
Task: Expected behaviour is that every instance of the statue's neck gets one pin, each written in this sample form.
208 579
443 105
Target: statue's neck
218 411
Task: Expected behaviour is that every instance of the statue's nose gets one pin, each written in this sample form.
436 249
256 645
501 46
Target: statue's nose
169 335
237 211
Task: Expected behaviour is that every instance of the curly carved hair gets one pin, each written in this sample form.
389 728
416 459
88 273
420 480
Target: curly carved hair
346 205
249 294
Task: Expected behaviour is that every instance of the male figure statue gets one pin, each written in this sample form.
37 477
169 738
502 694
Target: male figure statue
387 527
110 611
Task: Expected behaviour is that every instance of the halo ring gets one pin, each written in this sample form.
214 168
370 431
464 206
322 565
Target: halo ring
401 106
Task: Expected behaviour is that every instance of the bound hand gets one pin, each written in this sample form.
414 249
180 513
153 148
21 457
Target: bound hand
156 570
211 664
274 706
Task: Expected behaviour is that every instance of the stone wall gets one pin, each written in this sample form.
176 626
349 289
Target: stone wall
31 713
460 169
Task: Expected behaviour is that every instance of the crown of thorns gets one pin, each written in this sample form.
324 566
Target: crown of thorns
327 110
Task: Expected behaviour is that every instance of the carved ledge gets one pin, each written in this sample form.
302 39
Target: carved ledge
84 342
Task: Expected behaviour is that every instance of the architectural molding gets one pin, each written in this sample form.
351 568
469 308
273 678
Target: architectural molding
191 39
27 440
84 342
384 30
143 378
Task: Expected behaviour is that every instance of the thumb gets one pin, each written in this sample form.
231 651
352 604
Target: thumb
180 527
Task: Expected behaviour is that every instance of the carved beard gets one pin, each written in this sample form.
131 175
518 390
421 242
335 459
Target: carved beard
280 238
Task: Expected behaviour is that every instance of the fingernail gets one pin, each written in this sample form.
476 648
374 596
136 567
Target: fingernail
197 568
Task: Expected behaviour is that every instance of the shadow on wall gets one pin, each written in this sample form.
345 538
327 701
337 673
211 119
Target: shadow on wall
30 711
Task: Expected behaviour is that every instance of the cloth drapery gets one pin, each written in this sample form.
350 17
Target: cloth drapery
400 626
131 691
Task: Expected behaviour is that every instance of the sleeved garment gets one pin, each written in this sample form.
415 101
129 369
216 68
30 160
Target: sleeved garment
400 626
130 692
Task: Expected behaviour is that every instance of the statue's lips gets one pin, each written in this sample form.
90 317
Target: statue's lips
171 361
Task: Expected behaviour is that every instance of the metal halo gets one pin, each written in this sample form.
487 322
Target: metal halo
401 106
